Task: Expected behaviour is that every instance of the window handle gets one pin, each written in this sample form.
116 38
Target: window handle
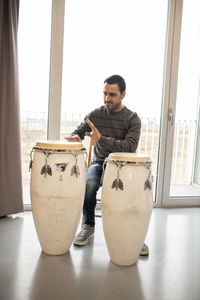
171 117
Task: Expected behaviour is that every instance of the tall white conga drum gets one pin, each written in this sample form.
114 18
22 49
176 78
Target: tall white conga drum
126 205
57 193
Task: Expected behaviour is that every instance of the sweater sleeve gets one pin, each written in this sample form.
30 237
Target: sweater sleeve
82 128
128 144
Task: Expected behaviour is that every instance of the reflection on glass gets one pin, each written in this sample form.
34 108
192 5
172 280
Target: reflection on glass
103 38
34 57
185 158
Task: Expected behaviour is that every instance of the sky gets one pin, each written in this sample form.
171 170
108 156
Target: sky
99 41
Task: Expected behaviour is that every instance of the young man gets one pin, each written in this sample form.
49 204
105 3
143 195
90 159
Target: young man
114 128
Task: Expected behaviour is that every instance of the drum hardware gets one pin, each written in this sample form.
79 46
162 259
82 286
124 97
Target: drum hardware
104 167
147 184
31 161
46 169
118 183
64 151
75 169
61 168
30 165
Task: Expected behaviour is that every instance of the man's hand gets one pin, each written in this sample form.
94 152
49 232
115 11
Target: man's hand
73 138
95 134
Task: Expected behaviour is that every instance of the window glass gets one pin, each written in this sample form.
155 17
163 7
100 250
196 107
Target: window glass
185 165
34 60
103 38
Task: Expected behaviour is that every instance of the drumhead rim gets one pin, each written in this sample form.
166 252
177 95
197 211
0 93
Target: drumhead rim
128 157
58 145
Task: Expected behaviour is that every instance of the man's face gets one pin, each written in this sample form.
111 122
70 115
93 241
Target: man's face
113 97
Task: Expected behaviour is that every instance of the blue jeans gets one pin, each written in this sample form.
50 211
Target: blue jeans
93 183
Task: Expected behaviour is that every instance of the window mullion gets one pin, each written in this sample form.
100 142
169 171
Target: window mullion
56 61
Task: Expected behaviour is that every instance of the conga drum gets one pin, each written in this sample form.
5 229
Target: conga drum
126 205
57 193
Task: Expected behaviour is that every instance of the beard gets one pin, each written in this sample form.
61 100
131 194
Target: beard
112 106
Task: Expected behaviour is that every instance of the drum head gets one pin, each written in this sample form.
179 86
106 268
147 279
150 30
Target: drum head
128 156
58 145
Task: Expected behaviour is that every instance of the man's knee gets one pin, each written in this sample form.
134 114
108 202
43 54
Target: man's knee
92 185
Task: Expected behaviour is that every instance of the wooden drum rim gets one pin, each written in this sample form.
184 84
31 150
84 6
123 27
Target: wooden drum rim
58 145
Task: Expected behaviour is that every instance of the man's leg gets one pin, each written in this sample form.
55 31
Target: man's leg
93 178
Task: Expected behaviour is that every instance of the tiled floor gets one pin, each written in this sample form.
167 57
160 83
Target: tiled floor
171 272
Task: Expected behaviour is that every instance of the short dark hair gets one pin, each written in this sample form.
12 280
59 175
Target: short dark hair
116 79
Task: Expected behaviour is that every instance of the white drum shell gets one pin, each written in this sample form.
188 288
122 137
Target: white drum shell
56 204
125 213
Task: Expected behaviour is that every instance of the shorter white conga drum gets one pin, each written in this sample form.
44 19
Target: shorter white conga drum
57 193
126 205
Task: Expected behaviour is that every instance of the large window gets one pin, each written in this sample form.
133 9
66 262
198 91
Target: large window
115 37
34 61
185 157
136 39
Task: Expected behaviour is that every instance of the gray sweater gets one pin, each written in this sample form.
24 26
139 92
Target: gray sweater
120 131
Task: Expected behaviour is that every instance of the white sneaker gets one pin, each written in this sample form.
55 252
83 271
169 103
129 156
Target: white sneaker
84 235
145 250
